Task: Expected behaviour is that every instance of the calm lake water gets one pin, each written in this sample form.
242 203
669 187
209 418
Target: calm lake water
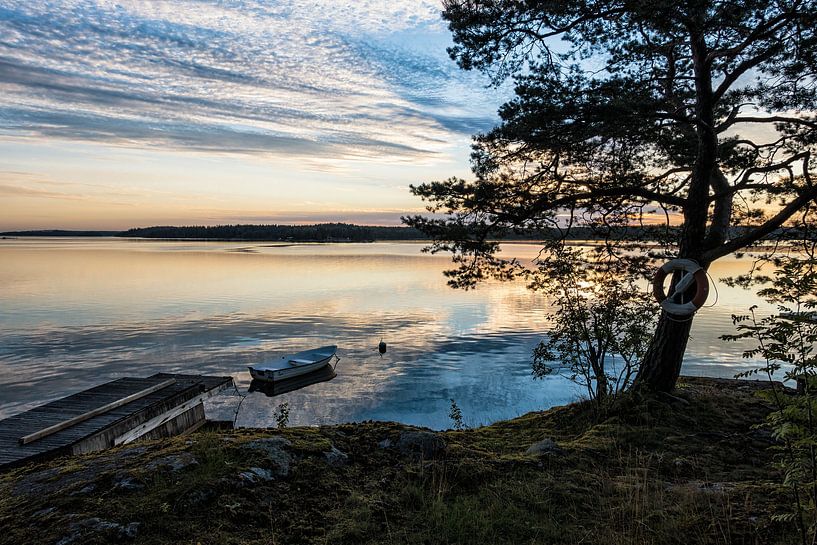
79 312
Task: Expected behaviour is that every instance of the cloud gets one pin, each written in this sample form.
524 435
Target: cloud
29 184
21 191
356 80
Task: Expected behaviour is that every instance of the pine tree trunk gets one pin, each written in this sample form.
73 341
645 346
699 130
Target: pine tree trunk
662 363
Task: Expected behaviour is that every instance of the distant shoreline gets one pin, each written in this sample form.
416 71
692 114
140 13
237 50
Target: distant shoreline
332 233
318 233
278 243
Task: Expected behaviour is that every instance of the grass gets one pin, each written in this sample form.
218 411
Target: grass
644 471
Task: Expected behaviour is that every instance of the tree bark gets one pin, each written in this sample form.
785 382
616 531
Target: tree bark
662 363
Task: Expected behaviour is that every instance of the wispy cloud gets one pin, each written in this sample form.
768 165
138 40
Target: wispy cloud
319 79
21 191
29 184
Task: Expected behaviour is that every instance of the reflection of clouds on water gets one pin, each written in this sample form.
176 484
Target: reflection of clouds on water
79 313
215 345
488 376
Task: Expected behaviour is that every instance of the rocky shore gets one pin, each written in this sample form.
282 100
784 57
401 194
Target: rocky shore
690 468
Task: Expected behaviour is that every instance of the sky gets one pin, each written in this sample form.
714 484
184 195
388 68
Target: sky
126 114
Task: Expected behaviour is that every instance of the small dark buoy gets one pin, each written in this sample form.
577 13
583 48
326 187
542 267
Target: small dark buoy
381 348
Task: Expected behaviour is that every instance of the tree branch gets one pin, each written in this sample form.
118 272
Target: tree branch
773 167
618 192
765 229
742 68
766 119
762 31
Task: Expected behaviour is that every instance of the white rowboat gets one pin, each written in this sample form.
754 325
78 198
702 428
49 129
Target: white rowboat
293 365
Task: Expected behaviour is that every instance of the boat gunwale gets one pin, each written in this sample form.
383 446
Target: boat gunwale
297 363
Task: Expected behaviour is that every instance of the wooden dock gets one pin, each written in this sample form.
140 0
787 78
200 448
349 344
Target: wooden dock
108 415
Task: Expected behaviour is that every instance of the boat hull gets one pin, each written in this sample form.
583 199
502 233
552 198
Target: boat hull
269 375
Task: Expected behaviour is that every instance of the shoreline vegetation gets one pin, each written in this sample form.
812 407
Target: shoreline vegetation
692 467
345 232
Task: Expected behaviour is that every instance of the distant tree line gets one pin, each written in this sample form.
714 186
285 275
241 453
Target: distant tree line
345 232
323 232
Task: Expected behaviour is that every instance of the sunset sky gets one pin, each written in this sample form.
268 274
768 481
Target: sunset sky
115 115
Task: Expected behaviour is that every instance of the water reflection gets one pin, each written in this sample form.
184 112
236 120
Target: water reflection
280 387
78 312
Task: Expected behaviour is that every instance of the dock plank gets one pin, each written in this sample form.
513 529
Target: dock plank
12 453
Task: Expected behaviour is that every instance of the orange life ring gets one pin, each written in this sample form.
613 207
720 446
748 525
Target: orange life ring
694 273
